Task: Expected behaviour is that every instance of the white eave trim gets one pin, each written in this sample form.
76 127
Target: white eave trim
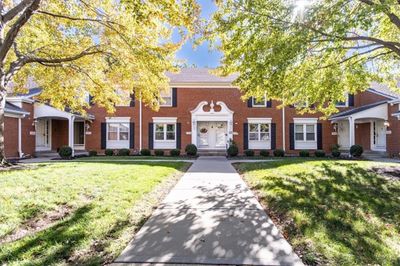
165 119
372 90
118 119
20 99
259 120
303 120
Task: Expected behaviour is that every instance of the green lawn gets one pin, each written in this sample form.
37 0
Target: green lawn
105 203
333 212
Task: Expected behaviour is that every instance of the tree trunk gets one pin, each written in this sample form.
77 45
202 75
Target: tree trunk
3 161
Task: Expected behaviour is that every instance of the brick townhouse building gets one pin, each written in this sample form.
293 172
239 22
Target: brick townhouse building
208 111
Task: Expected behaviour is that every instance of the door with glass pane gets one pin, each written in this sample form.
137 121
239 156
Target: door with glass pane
220 134
203 133
79 135
43 134
378 135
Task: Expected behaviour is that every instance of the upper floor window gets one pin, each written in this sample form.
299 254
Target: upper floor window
344 103
259 102
166 98
125 97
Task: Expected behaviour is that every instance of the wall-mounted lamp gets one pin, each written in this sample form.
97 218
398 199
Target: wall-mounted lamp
34 122
386 123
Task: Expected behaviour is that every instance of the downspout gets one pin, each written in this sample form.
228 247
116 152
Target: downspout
20 138
140 121
283 129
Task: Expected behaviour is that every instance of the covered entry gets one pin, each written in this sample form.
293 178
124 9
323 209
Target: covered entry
55 128
366 126
212 125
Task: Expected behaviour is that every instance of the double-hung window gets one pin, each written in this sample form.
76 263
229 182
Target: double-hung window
259 102
305 133
164 132
124 97
166 98
117 133
344 103
259 133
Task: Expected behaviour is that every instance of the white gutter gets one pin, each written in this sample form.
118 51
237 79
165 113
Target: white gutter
283 129
140 121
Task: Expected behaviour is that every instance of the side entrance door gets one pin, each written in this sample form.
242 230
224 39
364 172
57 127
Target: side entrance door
43 135
378 136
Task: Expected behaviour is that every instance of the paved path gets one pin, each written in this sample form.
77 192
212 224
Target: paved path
210 217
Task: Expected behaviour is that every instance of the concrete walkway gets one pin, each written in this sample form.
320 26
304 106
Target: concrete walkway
210 217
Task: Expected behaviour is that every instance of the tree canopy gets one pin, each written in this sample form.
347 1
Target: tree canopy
72 48
311 52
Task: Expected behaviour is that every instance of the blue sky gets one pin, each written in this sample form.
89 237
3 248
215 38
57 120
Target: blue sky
201 56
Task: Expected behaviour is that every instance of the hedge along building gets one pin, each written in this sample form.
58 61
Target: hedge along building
208 111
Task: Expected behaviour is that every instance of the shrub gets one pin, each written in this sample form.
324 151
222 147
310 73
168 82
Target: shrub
191 150
175 152
159 153
145 152
109 152
65 152
233 150
264 153
336 153
124 152
92 153
249 153
356 150
304 153
279 153
319 153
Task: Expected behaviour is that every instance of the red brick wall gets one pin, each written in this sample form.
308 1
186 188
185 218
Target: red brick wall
59 133
11 137
189 98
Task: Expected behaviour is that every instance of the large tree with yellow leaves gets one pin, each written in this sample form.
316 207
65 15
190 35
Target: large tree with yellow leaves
71 48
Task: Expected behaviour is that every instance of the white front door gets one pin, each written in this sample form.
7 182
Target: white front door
43 135
344 135
212 135
378 136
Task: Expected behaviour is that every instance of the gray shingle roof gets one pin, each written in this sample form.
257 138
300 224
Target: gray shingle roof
356 110
11 108
384 90
31 92
198 75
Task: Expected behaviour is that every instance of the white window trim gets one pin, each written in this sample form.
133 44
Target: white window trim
302 120
305 132
346 102
253 104
118 119
259 120
164 104
259 132
169 120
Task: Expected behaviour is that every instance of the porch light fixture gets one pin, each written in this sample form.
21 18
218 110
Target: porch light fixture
386 123
34 122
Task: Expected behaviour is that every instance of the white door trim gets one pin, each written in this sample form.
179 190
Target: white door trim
223 115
